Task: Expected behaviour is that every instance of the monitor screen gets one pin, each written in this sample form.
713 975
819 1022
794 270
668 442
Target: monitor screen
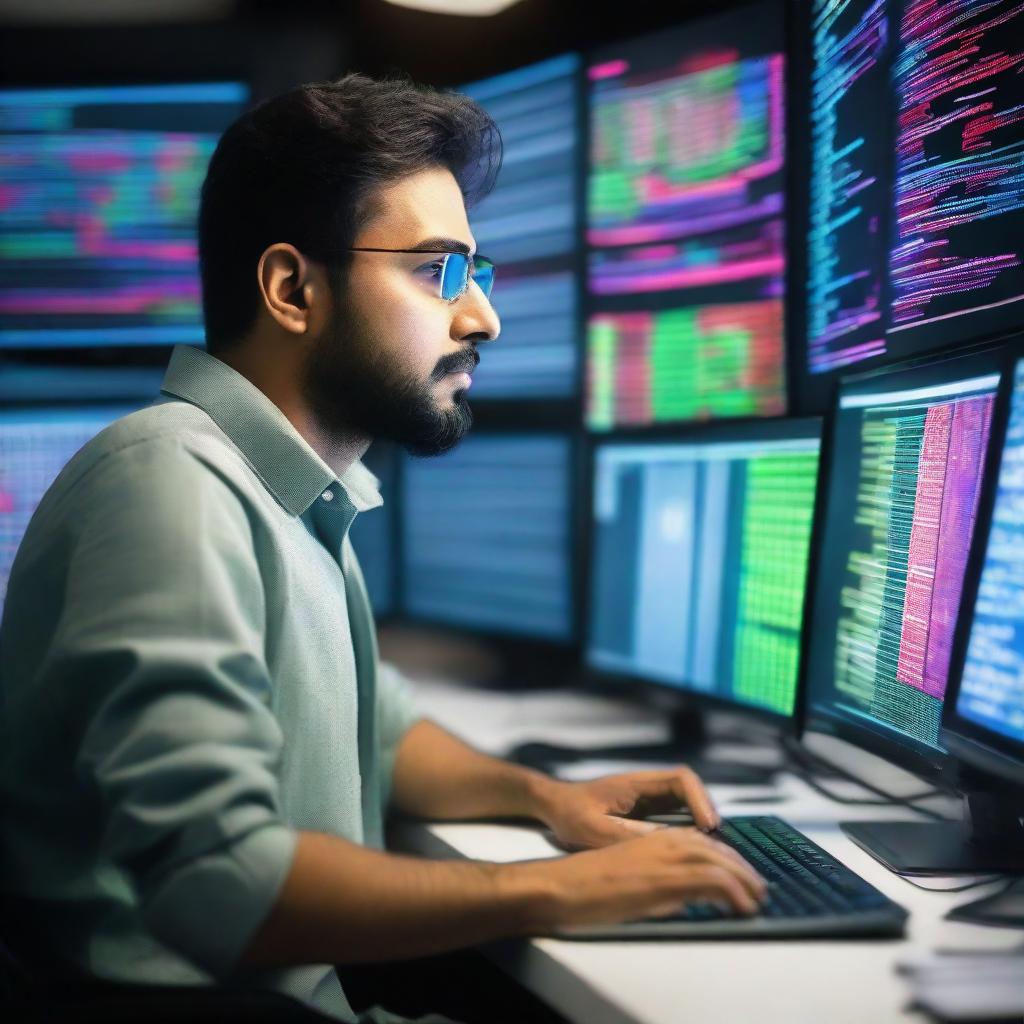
916 197
23 382
699 562
99 189
906 463
992 684
849 189
35 445
373 532
685 232
486 536
528 226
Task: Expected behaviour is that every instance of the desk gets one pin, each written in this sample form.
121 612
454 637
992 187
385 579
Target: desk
774 982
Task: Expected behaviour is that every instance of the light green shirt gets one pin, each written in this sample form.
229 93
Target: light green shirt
188 676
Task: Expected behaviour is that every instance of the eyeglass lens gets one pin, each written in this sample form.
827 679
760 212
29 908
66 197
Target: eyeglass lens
455 276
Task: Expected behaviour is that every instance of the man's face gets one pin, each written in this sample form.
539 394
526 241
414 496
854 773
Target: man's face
396 359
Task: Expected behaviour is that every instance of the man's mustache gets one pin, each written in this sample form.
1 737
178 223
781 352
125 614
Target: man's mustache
457 362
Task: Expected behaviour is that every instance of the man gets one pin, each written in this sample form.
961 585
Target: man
198 742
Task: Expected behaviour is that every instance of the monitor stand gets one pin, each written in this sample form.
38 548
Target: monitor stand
1005 909
990 840
689 738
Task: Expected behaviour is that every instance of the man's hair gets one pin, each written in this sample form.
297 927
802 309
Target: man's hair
303 168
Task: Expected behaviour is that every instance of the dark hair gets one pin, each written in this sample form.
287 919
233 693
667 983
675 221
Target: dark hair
302 168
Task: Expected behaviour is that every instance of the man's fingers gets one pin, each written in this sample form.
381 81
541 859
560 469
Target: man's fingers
606 830
737 858
706 884
635 828
718 884
685 785
696 797
609 828
719 855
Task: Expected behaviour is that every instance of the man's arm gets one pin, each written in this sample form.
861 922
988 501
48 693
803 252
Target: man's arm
158 664
343 903
436 775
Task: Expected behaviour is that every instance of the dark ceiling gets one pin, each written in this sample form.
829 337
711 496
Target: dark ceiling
275 44
449 50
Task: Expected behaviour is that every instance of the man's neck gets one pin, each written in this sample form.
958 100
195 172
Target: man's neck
339 451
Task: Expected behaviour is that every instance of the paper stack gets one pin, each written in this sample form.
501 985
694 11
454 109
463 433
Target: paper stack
969 986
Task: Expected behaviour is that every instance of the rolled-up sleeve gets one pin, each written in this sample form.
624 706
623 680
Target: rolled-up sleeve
160 646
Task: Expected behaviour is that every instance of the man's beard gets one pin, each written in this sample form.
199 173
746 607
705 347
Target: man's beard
353 388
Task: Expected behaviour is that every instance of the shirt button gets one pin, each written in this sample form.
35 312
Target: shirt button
328 495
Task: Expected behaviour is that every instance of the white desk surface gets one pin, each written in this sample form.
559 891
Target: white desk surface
768 982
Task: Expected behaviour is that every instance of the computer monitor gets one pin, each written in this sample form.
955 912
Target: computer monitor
906 457
981 681
915 215
685 223
487 536
700 548
984 720
529 226
99 188
373 532
35 445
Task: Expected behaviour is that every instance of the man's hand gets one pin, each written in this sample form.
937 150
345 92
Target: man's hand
650 876
588 814
343 903
439 776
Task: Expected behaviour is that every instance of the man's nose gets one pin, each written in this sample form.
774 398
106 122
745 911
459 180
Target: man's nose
475 320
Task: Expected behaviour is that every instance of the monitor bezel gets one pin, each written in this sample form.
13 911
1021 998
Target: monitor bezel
657 692
47 407
970 742
915 757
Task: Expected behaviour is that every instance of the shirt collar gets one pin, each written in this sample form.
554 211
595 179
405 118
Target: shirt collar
281 457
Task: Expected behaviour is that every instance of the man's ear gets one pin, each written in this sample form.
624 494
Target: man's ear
288 286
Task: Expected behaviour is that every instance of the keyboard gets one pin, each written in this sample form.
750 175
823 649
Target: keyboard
810 893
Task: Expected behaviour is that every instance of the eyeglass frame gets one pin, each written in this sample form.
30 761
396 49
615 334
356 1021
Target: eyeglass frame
435 252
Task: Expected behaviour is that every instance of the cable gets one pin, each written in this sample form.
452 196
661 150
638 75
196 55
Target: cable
813 783
799 759
886 799
864 802
811 761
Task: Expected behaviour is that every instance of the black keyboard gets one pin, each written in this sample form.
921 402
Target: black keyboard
809 893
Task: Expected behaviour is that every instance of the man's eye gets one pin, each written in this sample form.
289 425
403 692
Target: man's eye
433 269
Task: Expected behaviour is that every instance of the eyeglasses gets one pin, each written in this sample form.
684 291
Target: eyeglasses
453 271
